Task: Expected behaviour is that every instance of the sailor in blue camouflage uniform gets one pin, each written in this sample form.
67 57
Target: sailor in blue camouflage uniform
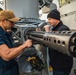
8 65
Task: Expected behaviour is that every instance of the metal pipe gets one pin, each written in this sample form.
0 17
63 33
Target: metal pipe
61 41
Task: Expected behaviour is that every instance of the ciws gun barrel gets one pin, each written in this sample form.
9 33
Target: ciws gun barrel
62 41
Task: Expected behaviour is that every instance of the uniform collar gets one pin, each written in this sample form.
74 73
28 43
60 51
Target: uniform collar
2 31
58 25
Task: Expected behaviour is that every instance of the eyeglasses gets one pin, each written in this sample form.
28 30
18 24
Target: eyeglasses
10 21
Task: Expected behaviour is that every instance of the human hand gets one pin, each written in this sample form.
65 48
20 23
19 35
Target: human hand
47 28
38 29
28 43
